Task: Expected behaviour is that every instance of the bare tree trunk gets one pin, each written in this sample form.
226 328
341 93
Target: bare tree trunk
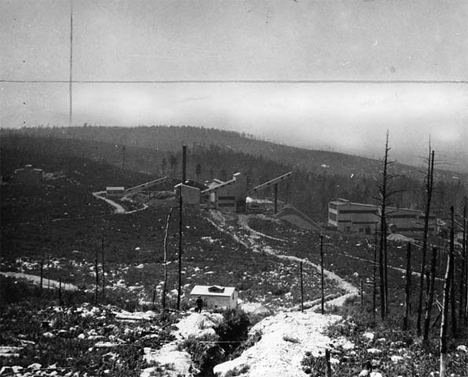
302 287
166 234
430 300
41 286
383 236
374 277
429 185
463 285
407 289
322 283
181 210
96 270
452 285
445 309
103 267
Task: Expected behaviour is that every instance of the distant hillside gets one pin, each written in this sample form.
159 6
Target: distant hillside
318 177
171 138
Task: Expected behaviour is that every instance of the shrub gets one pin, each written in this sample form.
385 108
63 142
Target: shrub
205 352
234 328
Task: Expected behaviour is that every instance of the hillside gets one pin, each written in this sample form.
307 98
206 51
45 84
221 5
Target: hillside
171 138
318 177
64 233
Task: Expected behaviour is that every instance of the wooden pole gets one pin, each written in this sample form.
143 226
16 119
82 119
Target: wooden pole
430 301
96 270
361 288
464 271
103 267
276 198
327 361
452 286
41 286
407 288
60 291
445 306
166 235
322 280
302 288
374 278
179 290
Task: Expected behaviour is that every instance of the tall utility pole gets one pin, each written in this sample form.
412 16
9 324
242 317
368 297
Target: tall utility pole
179 290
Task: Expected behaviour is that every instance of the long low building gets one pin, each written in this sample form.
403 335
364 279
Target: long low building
347 216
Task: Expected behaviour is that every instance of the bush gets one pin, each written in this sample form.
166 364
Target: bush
205 352
234 328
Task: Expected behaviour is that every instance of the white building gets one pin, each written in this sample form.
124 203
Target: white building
216 297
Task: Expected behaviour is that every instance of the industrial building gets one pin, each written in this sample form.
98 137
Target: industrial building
229 196
115 192
347 216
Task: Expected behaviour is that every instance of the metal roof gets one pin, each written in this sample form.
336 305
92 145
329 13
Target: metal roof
212 290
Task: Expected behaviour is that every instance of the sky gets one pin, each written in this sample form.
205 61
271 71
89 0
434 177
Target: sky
325 74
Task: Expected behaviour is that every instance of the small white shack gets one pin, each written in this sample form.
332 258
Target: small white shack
216 297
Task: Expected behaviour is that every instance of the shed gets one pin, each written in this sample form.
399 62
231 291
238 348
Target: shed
215 296
115 191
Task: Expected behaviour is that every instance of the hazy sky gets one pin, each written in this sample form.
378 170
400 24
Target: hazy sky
301 48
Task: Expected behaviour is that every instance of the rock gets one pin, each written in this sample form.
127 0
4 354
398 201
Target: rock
370 336
35 366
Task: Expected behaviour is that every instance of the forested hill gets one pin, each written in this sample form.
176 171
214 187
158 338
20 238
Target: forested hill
171 138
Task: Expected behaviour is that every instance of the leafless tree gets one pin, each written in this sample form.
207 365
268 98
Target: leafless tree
429 186
407 288
430 297
166 235
446 301
383 197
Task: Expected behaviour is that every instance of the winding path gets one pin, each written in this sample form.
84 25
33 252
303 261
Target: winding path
118 208
250 241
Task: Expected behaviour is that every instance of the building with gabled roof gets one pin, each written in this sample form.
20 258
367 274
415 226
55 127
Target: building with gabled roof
215 296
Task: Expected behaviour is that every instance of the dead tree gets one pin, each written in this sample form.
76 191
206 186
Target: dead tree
429 187
374 276
166 234
103 266
445 305
453 300
463 275
96 270
384 194
407 288
181 210
430 297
